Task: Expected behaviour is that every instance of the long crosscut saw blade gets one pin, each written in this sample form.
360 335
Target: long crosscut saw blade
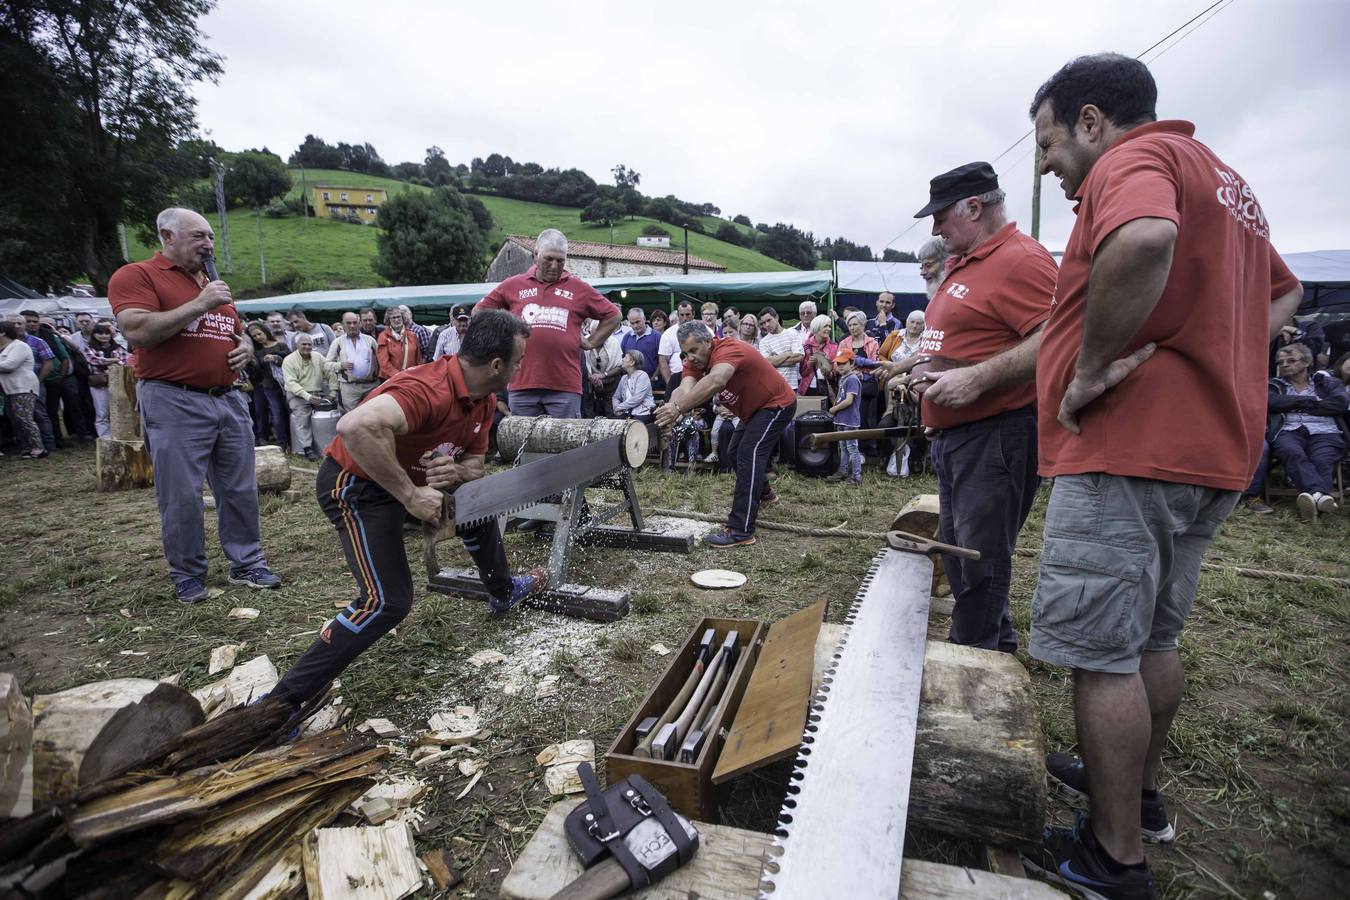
514 489
842 829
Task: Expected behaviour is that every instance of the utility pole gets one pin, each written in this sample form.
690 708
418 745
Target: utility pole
1036 197
686 249
262 260
304 195
219 171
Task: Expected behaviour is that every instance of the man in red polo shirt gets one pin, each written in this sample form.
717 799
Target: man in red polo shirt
421 433
1170 262
978 353
555 304
743 381
189 347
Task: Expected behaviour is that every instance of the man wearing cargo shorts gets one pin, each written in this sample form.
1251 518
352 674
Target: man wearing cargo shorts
1150 387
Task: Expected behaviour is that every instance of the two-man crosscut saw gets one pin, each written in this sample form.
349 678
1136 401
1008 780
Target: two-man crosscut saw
515 489
842 829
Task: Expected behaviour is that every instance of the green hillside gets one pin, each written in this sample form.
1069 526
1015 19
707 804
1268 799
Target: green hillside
318 253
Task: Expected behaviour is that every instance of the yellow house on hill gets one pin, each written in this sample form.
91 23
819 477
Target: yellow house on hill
361 201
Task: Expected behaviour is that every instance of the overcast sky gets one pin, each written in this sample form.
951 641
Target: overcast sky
830 116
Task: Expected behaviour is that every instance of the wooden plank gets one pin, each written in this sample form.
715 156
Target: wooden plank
769 724
727 867
373 863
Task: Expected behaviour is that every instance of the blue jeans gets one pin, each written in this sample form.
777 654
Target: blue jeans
850 457
195 438
270 409
1309 458
539 402
987 480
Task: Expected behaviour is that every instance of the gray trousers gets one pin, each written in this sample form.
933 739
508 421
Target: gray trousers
195 438
302 434
539 402
350 393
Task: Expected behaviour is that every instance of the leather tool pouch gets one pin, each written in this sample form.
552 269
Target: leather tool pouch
632 822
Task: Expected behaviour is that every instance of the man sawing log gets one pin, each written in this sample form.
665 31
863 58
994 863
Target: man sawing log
422 432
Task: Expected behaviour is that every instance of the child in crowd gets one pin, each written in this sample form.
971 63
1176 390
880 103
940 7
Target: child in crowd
724 419
847 418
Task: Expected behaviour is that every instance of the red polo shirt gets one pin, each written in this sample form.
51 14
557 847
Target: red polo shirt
197 354
1195 411
992 298
441 416
555 313
755 385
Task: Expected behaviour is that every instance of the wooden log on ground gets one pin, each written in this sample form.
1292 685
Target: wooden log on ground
120 465
16 749
136 731
541 434
920 516
728 867
272 469
372 863
979 755
66 724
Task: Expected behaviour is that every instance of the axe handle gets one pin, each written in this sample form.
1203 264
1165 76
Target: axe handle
603 880
820 439
645 747
928 545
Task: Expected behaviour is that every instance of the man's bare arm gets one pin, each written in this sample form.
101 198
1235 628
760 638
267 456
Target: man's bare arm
601 333
1129 272
368 433
146 328
1282 309
703 389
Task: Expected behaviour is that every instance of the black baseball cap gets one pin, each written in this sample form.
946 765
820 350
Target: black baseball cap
969 180
461 312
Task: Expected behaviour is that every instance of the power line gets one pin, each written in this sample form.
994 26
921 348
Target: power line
1205 14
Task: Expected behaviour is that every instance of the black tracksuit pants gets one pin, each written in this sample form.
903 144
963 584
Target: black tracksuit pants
369 524
753 444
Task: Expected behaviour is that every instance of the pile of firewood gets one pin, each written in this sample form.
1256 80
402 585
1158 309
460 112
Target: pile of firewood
181 807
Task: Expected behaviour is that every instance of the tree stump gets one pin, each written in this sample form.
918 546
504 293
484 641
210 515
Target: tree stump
121 460
66 724
541 434
272 469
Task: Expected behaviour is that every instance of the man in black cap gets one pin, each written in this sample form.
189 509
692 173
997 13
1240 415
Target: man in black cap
977 370
447 343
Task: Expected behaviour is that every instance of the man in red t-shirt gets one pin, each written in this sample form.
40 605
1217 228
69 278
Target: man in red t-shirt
190 346
744 382
977 362
420 434
555 304
1151 394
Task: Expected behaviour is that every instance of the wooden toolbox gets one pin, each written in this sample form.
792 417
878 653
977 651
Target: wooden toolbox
761 721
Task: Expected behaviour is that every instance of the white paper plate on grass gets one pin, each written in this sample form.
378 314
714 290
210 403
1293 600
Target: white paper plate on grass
717 579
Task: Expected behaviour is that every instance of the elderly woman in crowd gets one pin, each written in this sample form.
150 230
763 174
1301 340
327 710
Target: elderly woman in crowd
397 346
708 313
900 350
633 396
1307 427
20 385
818 349
101 352
866 355
659 320
748 330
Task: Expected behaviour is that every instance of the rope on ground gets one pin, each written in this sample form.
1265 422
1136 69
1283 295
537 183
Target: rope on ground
1262 574
306 471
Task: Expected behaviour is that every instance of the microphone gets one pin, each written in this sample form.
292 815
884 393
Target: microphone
209 264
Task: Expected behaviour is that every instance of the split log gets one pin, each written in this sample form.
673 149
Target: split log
16 749
136 732
375 863
541 434
979 755
272 469
66 724
120 465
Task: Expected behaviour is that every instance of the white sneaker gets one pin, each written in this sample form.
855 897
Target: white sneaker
711 457
904 462
1307 506
1325 503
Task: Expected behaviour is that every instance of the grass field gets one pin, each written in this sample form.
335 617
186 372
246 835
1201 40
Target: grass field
1256 771
326 254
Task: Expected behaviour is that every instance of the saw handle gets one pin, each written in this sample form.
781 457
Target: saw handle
913 543
820 439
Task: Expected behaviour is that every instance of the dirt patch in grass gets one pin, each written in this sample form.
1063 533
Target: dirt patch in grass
1255 774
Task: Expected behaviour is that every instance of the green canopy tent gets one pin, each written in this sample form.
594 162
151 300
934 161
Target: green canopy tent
782 290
